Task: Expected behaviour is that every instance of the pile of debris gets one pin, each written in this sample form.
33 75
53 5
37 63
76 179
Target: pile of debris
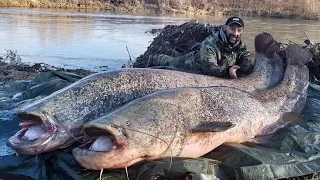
176 40
314 66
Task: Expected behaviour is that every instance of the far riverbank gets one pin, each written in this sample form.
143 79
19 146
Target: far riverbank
293 9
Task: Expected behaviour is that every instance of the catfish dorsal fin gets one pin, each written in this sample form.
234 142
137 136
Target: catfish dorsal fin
214 126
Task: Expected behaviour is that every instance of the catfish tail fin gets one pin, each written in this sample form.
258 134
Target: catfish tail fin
290 94
264 43
296 55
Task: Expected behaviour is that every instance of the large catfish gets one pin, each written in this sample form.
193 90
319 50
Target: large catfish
190 122
56 121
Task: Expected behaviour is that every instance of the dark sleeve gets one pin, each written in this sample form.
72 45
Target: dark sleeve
209 54
244 61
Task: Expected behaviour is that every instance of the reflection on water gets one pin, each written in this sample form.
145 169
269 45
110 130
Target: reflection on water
90 40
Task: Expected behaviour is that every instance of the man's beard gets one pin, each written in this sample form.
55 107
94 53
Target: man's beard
226 38
235 39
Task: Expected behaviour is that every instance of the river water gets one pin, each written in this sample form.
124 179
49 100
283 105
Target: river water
96 40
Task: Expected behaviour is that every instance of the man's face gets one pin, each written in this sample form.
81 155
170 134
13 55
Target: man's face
234 33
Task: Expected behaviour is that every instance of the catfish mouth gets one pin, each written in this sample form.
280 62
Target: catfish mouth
101 143
103 140
36 130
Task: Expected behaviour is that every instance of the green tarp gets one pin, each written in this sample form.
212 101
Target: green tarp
292 151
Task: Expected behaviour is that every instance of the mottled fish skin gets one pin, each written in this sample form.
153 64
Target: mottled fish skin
190 122
64 112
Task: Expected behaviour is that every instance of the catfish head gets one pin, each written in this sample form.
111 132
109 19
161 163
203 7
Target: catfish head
123 138
46 125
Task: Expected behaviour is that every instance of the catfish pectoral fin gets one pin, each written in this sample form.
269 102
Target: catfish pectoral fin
212 127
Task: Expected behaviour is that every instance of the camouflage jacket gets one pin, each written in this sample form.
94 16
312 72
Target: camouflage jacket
217 56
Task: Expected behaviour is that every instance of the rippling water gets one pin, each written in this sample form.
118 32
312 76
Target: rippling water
92 40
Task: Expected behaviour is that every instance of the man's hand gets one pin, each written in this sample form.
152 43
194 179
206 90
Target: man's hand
233 71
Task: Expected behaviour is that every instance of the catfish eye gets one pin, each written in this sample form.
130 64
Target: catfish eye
127 123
